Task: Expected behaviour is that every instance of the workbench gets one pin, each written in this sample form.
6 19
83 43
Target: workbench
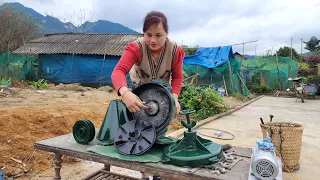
67 146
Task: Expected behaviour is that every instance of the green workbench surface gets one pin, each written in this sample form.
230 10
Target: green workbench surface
66 145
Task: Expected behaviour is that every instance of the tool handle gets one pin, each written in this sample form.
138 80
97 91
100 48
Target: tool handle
187 111
226 147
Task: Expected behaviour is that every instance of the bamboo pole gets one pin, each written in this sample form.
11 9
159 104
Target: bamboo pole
224 82
278 71
71 68
243 82
190 77
104 58
197 76
230 73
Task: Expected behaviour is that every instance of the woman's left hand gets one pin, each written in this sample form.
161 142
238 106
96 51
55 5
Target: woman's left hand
178 108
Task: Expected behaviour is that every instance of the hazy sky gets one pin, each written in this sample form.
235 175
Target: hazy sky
207 23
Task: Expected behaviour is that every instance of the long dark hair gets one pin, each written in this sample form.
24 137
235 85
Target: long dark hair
154 18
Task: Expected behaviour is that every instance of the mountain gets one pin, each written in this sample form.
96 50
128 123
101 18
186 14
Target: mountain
103 26
51 24
249 56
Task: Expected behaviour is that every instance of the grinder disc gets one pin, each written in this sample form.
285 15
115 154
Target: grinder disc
160 104
135 137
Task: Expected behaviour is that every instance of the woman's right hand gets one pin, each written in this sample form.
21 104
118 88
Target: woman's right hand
133 102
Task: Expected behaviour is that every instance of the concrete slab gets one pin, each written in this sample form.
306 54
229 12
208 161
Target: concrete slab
245 125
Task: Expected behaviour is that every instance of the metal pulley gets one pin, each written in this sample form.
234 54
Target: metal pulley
157 96
83 131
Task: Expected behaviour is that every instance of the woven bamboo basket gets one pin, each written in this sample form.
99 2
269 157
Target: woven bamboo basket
287 139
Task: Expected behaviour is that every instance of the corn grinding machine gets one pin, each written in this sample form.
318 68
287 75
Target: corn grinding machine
134 134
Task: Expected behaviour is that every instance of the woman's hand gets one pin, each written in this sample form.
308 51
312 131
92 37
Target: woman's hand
132 101
178 108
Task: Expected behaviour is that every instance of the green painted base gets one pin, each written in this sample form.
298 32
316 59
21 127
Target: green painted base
193 151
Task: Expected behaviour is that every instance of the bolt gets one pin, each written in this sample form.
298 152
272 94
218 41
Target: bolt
140 148
120 137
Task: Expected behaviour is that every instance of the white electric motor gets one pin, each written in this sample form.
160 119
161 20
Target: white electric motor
265 165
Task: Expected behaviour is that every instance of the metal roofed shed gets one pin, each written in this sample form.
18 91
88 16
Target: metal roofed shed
78 43
78 57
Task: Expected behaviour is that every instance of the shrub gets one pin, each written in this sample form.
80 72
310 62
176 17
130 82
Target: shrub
240 97
313 79
307 72
313 60
40 84
261 89
206 101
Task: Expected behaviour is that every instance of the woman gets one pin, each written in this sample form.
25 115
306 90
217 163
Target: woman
151 57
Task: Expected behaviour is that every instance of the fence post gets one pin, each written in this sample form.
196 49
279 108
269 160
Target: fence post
71 68
104 58
278 71
230 74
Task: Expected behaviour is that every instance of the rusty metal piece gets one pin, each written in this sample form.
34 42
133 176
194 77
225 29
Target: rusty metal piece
221 170
215 172
228 165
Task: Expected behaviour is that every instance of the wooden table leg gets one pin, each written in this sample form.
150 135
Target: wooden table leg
107 167
57 166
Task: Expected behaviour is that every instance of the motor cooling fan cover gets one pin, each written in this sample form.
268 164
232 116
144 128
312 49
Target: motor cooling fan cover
264 164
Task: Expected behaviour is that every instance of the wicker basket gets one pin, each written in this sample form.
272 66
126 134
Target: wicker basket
287 138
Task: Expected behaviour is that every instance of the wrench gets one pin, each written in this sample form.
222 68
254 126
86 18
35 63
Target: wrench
215 172
221 170
230 165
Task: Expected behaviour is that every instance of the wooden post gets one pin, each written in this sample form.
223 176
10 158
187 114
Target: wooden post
224 82
71 68
230 74
289 68
197 76
107 167
243 82
104 58
193 76
278 71
261 78
7 66
241 69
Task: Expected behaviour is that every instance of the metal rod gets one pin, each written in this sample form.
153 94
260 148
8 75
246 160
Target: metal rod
291 48
244 43
102 68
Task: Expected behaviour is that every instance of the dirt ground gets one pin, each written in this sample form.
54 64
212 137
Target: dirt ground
28 115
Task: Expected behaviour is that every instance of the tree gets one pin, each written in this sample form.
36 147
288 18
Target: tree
78 22
189 51
268 53
313 44
16 28
286 52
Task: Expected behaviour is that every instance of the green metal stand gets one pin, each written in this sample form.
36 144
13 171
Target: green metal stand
192 150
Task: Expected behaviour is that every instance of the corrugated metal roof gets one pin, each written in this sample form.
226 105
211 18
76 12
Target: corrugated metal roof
78 43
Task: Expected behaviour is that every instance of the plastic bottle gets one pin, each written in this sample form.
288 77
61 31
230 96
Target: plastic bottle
218 133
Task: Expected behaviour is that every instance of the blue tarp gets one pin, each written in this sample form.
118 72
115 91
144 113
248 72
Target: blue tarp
61 68
210 57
